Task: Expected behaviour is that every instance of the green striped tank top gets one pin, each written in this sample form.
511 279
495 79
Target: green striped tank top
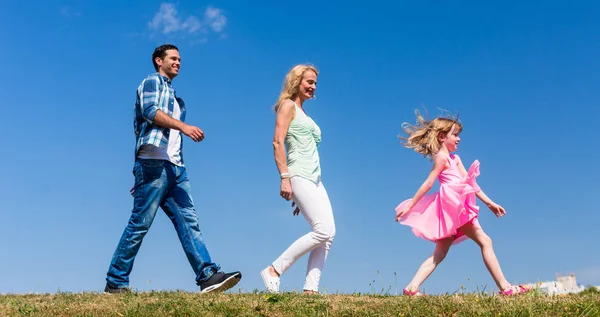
302 140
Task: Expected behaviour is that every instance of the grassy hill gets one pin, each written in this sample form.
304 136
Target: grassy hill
292 304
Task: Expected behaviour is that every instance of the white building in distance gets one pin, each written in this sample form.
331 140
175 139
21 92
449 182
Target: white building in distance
564 284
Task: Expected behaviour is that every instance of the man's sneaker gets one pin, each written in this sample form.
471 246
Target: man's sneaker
116 290
271 282
220 282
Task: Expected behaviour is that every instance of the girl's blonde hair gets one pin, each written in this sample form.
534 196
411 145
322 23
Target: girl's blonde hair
423 137
292 82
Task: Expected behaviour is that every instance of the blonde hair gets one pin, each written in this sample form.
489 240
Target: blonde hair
423 137
291 85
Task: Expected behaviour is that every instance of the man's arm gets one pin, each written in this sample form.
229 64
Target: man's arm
152 113
165 121
149 98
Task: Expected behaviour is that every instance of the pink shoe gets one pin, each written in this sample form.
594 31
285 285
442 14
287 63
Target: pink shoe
516 290
412 293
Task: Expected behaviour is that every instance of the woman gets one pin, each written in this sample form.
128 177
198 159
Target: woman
301 179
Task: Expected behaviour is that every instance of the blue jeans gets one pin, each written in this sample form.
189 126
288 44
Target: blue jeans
162 184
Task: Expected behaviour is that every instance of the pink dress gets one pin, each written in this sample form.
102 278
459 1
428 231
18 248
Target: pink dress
440 215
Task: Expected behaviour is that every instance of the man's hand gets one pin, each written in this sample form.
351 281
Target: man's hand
193 132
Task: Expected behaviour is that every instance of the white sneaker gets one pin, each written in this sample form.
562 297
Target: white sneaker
271 282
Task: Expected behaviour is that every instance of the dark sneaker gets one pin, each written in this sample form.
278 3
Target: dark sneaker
116 290
220 282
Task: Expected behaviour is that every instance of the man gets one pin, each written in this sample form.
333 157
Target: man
161 179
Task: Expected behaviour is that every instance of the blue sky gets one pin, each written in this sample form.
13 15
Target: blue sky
523 77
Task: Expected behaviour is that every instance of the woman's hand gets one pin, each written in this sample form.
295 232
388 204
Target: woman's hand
286 189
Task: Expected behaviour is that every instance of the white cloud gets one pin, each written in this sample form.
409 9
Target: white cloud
169 22
166 19
69 12
192 24
215 18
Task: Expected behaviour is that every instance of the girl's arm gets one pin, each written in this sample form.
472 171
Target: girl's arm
495 208
438 166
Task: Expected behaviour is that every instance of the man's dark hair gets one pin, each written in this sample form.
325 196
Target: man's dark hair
161 52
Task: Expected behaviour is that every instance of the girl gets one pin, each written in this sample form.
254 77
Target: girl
301 179
448 216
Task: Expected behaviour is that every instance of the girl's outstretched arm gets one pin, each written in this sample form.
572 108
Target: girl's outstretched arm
495 208
439 165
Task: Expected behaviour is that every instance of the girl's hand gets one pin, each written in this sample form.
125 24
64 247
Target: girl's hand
286 189
297 210
497 209
402 212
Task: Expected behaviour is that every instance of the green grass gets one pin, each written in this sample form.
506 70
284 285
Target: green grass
292 304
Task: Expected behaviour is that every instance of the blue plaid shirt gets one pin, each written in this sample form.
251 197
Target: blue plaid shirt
154 93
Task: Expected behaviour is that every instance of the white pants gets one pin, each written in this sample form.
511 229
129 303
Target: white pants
314 205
